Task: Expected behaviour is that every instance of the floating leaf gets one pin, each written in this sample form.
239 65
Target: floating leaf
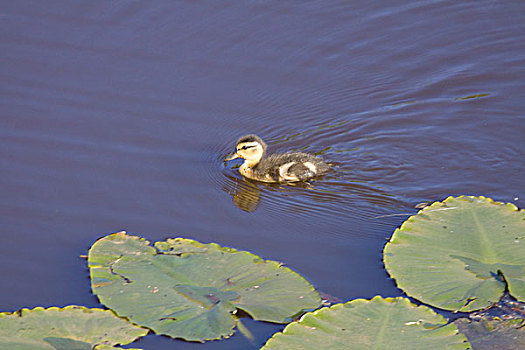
473 96
69 328
190 290
458 254
391 323
493 334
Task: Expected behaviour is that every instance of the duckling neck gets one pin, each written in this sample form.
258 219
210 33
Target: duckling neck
253 163
248 167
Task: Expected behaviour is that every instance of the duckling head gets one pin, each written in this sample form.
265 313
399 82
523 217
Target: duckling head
251 148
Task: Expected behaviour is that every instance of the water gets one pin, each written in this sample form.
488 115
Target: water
116 116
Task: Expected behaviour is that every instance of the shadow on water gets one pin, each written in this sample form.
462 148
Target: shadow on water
320 192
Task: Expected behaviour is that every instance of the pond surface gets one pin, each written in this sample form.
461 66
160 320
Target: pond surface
117 115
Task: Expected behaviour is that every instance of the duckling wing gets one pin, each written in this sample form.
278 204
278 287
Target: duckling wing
300 171
295 166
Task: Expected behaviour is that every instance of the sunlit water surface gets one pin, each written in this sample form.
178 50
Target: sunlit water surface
117 115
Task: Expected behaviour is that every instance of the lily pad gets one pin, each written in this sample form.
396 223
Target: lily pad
190 290
459 254
69 328
391 323
494 334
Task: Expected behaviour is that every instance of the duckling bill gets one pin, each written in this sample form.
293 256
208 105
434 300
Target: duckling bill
283 167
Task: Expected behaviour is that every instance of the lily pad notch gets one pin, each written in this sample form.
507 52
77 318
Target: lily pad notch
186 289
461 254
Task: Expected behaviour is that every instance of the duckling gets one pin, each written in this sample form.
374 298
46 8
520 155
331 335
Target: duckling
284 167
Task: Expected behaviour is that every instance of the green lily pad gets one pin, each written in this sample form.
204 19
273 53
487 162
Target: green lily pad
69 328
493 334
391 323
190 290
460 253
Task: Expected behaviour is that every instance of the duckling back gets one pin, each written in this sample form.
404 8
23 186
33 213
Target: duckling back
289 167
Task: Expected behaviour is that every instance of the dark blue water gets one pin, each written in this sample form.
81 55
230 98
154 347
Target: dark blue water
116 116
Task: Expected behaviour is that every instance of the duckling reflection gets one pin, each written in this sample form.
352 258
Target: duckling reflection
283 167
246 195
